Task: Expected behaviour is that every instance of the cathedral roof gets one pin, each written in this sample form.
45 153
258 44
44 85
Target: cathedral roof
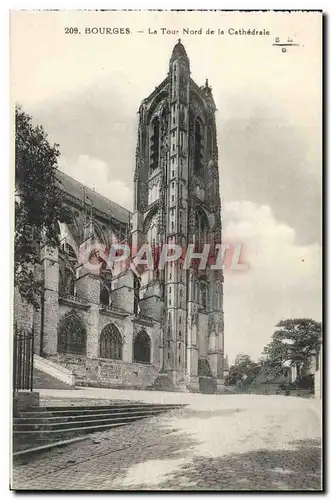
179 50
100 202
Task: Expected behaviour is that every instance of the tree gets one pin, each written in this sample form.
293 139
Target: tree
37 201
294 342
243 371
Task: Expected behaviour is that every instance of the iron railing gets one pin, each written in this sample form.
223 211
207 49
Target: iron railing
23 359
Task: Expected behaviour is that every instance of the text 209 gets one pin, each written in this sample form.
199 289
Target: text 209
71 31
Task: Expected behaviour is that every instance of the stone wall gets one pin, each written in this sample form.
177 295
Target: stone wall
113 373
109 373
23 400
127 325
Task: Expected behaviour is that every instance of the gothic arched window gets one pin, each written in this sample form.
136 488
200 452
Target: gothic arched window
142 348
137 286
199 147
72 335
110 342
152 230
204 369
203 295
69 283
105 285
154 144
202 228
210 141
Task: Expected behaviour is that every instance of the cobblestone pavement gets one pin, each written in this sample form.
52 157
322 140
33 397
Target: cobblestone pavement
241 442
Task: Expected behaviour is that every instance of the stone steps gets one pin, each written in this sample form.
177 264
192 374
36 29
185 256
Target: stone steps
40 426
62 411
69 420
42 380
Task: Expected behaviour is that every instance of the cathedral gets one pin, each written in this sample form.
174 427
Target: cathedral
159 328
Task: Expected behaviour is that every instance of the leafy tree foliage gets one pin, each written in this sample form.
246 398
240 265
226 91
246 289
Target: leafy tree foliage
37 201
294 343
243 371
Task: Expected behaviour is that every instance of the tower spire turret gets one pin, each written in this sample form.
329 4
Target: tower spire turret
179 52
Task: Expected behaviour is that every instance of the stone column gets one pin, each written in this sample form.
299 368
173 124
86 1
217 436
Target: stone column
192 348
212 353
49 303
88 289
137 235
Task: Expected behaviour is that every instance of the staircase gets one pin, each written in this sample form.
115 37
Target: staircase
42 380
52 425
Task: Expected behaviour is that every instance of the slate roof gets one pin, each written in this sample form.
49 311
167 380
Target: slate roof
100 202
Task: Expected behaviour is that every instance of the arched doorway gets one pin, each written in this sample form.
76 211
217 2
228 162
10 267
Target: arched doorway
142 348
72 334
207 383
110 342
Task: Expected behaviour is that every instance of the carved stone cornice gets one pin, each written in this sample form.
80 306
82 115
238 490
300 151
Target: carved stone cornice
74 301
113 311
141 320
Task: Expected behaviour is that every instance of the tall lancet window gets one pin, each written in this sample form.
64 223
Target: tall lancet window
199 146
154 145
210 142
164 131
105 285
203 295
137 286
202 227
152 231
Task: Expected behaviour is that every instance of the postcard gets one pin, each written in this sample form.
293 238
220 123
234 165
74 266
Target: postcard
167 281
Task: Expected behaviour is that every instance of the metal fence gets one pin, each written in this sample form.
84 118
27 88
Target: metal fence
23 360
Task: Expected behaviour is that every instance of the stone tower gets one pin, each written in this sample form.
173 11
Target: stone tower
177 201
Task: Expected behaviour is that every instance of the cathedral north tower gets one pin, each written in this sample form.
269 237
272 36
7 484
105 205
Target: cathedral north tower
177 201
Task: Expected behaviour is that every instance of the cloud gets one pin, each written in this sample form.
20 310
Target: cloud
269 157
95 173
98 121
284 280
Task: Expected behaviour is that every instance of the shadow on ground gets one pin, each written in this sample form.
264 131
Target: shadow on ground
151 456
297 469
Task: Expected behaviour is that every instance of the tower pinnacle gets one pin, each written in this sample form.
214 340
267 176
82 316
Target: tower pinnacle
179 51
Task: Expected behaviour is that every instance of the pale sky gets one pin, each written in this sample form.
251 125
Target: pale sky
86 89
